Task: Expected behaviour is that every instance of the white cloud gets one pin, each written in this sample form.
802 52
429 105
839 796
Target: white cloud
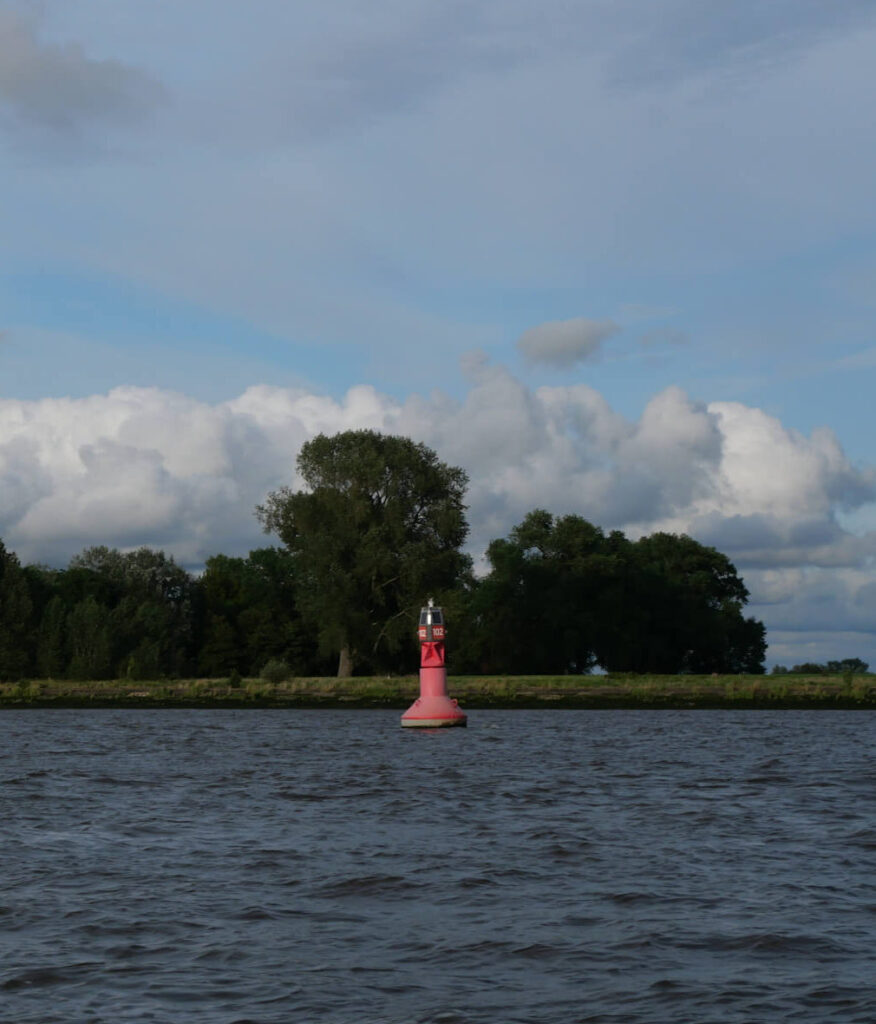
563 343
774 498
816 614
147 466
145 463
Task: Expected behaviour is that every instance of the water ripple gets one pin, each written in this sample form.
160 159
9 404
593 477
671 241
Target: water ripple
262 867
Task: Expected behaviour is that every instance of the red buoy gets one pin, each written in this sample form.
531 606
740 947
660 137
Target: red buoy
433 709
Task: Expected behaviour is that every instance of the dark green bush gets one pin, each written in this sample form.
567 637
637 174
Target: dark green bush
275 671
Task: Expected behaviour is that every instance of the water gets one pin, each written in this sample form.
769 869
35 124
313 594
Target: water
540 866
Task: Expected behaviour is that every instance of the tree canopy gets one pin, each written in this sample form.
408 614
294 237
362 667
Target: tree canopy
375 527
847 666
16 609
379 523
561 596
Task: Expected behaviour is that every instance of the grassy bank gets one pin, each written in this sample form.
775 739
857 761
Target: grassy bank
786 691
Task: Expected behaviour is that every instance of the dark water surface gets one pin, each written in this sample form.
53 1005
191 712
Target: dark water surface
540 866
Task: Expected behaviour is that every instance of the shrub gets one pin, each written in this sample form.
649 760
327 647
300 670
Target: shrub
234 679
275 671
847 665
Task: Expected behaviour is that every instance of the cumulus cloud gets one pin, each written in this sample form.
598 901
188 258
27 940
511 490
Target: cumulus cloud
58 87
147 466
775 498
141 464
816 614
563 343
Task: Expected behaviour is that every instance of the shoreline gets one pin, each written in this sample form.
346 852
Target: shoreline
473 693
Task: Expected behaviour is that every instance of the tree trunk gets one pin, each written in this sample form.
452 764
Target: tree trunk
345 663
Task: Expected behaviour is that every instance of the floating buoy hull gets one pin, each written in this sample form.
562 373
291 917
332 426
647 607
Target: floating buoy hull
433 723
433 712
433 709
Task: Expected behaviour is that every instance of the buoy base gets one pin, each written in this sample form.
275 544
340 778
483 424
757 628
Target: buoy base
433 713
433 723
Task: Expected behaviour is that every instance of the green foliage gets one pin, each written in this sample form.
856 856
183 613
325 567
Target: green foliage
150 601
51 652
275 671
378 527
626 690
847 666
683 612
249 615
16 610
113 614
562 596
537 609
220 647
89 641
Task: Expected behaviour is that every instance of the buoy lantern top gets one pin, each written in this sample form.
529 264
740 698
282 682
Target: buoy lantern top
431 623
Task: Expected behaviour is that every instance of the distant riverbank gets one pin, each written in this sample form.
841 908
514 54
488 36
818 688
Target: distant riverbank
618 691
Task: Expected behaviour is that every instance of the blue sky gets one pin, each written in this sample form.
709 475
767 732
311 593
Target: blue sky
616 258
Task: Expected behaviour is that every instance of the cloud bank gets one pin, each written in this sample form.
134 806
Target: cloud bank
146 466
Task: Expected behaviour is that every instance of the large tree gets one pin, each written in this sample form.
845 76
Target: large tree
147 602
684 605
250 616
537 609
15 617
377 527
562 596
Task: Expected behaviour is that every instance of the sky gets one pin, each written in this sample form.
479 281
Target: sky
615 258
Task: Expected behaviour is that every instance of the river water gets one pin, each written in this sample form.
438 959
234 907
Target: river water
269 866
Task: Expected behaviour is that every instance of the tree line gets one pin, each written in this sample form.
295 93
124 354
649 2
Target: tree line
377 527
847 666
139 615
